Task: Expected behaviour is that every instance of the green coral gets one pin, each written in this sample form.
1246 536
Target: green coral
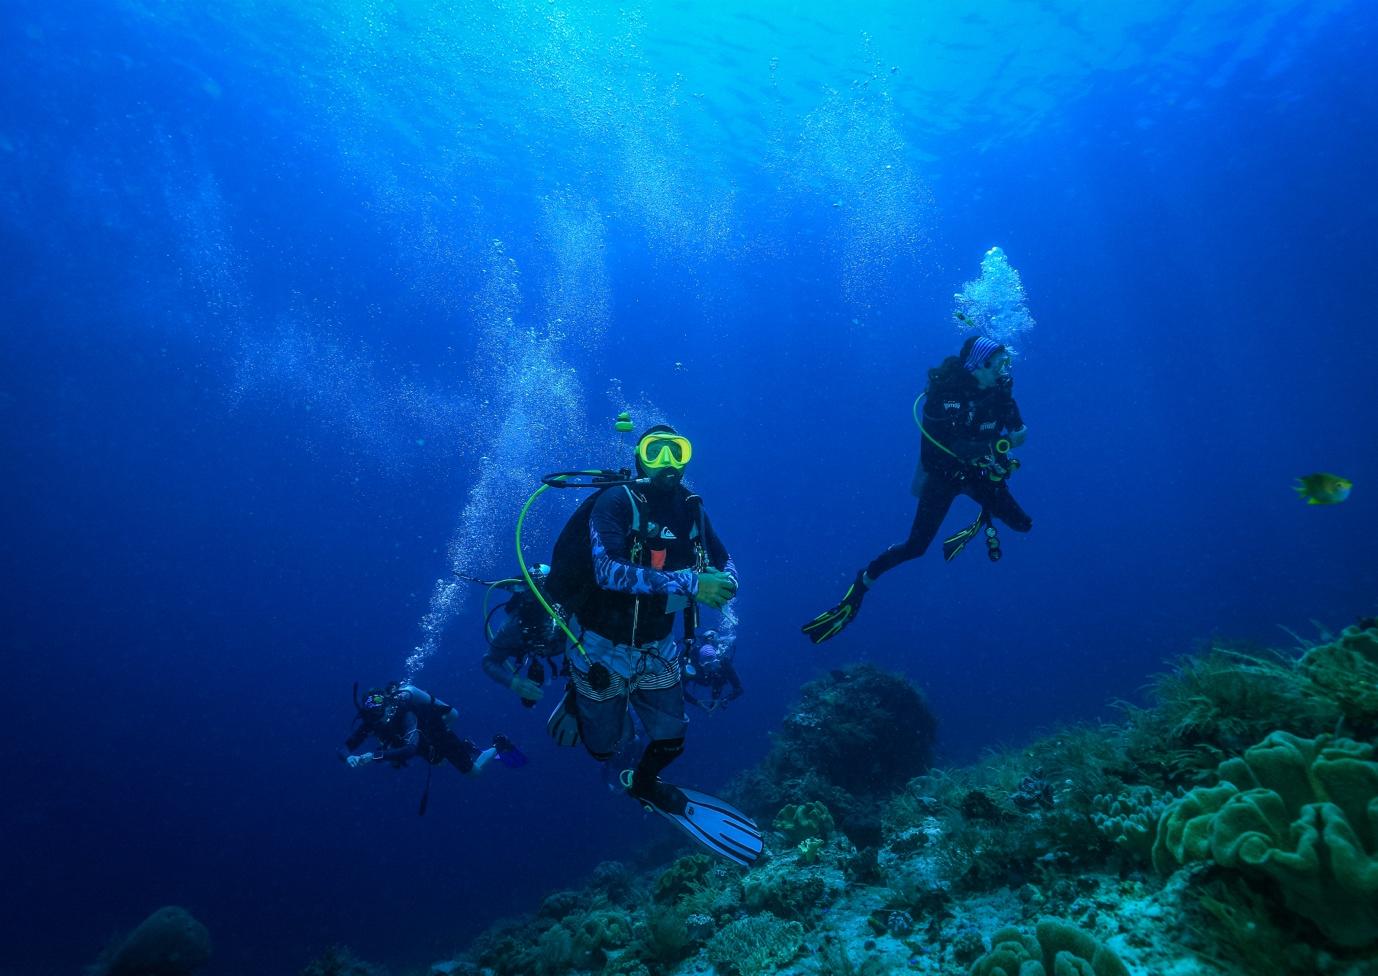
804 820
664 936
579 942
1345 671
809 850
787 892
756 944
1303 812
599 930
1130 819
554 953
682 877
1060 949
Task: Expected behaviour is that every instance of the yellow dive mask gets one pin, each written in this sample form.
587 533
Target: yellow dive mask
664 450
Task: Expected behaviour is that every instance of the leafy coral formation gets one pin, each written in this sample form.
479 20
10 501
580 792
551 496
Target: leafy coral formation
1302 812
799 822
1060 949
1130 819
1346 672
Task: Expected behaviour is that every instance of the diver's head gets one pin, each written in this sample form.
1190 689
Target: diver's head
374 704
661 454
710 637
986 360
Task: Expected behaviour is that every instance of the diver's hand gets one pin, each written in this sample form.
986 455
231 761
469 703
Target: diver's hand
994 465
716 588
356 761
526 689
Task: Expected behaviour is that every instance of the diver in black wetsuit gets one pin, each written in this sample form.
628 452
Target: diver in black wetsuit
409 722
521 653
970 424
711 668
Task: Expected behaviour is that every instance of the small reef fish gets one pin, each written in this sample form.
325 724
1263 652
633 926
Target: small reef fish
1323 489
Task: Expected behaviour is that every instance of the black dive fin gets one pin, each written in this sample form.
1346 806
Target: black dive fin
954 544
830 623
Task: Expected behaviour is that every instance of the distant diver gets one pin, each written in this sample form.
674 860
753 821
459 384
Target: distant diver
523 653
970 424
410 723
710 667
629 559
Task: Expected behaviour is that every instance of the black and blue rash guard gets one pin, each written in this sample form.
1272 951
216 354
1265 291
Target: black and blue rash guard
644 553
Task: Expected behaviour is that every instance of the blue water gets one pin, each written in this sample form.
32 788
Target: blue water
300 299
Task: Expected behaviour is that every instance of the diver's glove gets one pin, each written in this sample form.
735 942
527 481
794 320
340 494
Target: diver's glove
830 623
715 588
362 760
526 689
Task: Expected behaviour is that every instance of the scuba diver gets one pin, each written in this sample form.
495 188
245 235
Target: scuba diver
409 722
521 653
629 559
710 665
970 424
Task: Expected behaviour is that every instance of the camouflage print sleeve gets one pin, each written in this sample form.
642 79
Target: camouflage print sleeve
610 536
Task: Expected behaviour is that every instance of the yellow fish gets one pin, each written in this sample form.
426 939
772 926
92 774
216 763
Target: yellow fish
1323 489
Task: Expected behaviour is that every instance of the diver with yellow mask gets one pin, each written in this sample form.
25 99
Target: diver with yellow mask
627 563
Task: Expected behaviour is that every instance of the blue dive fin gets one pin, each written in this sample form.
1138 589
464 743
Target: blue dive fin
715 825
508 754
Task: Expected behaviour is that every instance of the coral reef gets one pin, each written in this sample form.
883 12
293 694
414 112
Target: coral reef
341 961
1059 948
1300 812
1231 779
1345 671
855 736
796 887
170 942
1215 704
799 822
755 944
1130 820
682 877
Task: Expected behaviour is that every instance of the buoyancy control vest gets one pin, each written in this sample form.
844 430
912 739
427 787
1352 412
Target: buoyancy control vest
665 533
